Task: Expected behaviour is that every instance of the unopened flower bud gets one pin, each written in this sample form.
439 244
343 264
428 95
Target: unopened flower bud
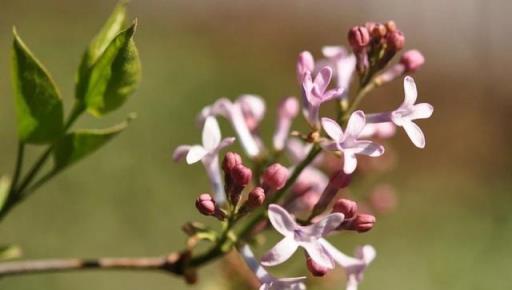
345 206
316 269
390 26
305 63
231 160
358 37
379 31
275 176
363 222
370 25
412 60
256 197
205 204
241 175
396 40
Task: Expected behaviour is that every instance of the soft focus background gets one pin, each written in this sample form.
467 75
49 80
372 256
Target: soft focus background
452 228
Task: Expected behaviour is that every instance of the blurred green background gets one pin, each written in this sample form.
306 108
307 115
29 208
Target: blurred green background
453 226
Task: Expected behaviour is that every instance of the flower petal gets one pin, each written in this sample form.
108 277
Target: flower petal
281 220
339 257
323 78
356 124
334 51
421 111
368 148
253 264
211 134
253 105
281 252
318 253
349 162
414 132
411 94
367 253
333 129
180 152
195 153
226 142
326 225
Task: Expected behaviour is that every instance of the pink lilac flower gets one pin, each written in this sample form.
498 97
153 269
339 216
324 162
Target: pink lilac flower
307 189
407 113
348 142
208 154
354 266
379 130
234 112
295 236
316 93
287 111
305 63
268 282
343 64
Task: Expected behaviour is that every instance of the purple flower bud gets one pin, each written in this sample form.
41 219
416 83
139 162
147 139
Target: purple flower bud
205 204
231 160
395 40
274 177
241 175
412 60
316 269
345 206
256 197
358 37
305 63
363 223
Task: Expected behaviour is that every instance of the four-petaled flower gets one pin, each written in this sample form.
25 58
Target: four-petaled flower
315 93
208 153
308 237
348 142
268 282
406 113
344 65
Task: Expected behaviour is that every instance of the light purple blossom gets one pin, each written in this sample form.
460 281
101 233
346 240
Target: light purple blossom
295 236
252 106
407 113
379 130
316 93
343 64
305 63
354 266
348 142
208 154
268 282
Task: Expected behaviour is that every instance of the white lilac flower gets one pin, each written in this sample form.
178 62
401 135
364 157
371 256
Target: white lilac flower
354 266
234 113
343 64
295 236
268 282
407 113
208 154
348 142
315 93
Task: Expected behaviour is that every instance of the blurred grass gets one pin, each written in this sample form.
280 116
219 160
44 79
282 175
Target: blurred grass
453 227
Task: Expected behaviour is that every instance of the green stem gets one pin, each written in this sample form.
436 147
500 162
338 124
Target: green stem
19 164
359 97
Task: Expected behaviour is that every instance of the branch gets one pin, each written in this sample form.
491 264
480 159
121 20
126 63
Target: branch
170 264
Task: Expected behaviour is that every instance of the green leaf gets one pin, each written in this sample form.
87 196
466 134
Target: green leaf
114 76
5 186
110 29
39 111
79 144
10 252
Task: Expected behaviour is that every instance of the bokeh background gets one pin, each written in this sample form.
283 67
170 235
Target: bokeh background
452 228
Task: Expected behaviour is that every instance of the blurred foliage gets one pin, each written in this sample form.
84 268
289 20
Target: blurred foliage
453 226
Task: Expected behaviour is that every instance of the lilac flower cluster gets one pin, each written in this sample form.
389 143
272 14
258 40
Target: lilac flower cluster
304 188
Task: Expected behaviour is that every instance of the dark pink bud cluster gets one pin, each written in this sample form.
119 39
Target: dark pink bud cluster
375 44
256 198
274 177
353 221
236 176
